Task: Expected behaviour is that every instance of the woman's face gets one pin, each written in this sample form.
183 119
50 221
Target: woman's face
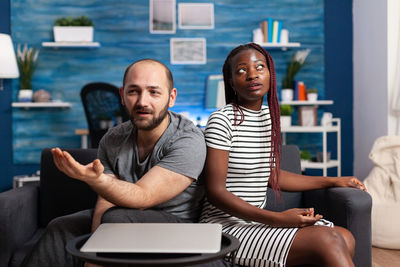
250 78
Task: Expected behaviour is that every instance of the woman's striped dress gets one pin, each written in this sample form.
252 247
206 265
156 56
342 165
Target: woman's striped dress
249 146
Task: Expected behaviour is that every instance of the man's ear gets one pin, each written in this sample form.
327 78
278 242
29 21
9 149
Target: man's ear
121 94
172 97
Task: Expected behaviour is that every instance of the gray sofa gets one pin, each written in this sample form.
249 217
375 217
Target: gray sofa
25 211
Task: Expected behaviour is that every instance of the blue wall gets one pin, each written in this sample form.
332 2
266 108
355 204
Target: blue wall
125 37
8 169
339 72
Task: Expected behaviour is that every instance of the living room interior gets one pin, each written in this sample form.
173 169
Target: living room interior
353 56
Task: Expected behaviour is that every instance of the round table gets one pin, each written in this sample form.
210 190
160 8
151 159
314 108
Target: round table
228 244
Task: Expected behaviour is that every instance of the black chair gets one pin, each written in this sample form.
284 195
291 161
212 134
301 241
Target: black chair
103 109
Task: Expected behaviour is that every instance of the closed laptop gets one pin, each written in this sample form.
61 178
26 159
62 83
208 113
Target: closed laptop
155 238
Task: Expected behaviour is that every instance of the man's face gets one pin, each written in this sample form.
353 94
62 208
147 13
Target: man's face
146 95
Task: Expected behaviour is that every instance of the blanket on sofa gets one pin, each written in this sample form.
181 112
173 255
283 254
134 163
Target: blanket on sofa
383 184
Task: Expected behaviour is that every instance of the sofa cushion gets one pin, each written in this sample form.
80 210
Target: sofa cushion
60 194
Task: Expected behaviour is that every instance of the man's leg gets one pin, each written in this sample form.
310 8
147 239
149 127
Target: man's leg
50 249
124 215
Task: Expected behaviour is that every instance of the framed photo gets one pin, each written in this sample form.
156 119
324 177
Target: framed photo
196 16
162 16
188 51
308 115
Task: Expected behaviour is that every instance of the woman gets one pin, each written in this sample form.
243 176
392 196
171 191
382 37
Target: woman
243 159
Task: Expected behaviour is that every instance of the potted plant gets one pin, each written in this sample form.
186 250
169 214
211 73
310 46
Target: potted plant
295 64
305 155
69 29
286 115
27 62
312 94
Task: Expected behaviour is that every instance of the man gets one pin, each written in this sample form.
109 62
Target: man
147 168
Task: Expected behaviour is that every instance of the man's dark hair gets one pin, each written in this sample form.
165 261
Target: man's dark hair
167 72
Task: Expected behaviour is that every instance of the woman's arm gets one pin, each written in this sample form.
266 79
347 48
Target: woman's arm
295 182
216 170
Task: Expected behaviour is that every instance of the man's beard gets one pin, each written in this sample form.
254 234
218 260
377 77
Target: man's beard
153 123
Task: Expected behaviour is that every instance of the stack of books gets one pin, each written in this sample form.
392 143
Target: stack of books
299 91
271 30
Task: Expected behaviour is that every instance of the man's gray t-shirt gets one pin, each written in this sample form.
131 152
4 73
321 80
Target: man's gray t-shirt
181 149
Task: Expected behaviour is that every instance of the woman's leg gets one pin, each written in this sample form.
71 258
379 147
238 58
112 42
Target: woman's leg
322 246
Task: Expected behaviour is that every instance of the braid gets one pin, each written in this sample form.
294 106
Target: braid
231 98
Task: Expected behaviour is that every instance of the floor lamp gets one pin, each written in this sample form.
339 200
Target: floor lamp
8 61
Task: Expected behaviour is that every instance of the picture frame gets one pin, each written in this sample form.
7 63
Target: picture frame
198 16
162 19
188 51
308 115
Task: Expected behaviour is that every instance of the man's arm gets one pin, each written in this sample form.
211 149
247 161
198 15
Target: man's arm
157 186
101 206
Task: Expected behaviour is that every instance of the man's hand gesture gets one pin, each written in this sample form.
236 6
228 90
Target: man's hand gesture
90 173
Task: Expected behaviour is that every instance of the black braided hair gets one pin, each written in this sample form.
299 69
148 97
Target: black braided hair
231 98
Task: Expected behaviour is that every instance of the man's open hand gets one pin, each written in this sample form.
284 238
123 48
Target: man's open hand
67 164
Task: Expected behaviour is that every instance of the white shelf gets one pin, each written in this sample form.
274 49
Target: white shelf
283 46
280 45
309 129
71 44
41 105
335 128
319 165
307 103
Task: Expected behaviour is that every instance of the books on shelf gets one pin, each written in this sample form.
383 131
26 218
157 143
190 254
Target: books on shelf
271 30
299 91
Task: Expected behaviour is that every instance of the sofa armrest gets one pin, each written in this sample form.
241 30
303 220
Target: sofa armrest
350 208
18 219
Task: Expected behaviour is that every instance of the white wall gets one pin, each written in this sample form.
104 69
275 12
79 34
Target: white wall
394 66
370 70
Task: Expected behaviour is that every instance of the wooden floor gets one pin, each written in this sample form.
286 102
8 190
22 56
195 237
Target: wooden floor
385 257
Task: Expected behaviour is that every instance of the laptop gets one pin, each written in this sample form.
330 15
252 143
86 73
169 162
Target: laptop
155 238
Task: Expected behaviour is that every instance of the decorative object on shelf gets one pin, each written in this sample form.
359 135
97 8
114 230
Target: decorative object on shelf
326 119
8 61
27 62
105 121
296 63
287 94
305 155
312 94
41 96
308 115
286 115
25 95
320 156
78 29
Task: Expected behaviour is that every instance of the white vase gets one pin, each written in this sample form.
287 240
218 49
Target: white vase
312 96
287 94
73 33
25 95
286 121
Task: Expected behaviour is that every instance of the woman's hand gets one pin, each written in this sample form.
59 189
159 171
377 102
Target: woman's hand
295 218
68 165
349 181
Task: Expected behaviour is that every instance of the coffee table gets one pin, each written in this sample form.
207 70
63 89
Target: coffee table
228 244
